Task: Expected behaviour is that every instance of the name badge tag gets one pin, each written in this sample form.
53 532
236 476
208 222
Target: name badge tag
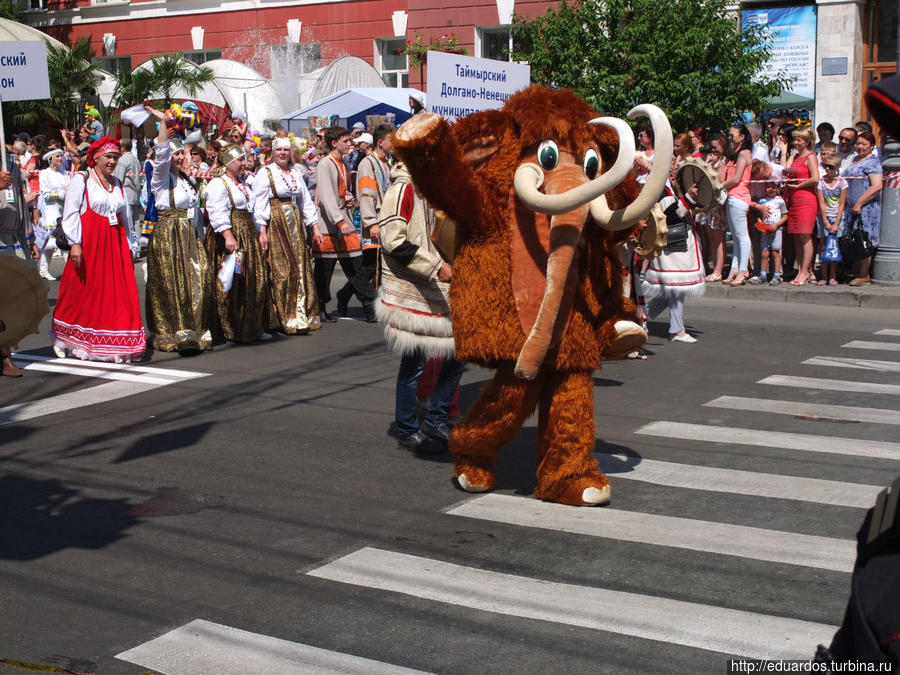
10 195
113 219
190 213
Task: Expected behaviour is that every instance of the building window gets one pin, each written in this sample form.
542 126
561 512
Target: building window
113 64
493 43
199 56
296 58
880 45
391 62
35 5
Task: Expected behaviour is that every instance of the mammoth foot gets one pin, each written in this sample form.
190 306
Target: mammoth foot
475 479
592 489
629 337
418 126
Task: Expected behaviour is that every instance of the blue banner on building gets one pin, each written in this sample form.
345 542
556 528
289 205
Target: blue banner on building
792 34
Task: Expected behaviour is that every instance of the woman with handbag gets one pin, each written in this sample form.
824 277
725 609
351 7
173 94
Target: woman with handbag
803 204
98 315
677 272
864 179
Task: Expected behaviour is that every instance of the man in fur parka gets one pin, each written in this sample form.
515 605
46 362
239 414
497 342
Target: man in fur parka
542 193
414 307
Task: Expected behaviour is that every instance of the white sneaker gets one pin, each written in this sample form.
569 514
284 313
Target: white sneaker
683 337
47 276
59 351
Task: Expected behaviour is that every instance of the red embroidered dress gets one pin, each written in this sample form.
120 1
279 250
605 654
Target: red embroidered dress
97 315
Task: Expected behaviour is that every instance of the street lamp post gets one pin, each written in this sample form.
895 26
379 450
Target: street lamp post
886 265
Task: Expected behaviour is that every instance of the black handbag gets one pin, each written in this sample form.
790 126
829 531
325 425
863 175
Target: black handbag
62 241
676 237
854 243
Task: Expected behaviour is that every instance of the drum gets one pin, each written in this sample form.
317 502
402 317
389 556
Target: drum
444 235
710 191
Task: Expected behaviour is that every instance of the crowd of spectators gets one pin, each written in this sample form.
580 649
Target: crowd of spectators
788 191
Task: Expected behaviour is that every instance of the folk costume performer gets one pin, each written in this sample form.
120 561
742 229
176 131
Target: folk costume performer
282 211
242 310
98 315
180 297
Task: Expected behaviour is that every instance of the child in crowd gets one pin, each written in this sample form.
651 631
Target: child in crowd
770 240
832 193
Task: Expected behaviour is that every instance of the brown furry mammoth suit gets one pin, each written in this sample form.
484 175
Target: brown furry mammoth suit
536 292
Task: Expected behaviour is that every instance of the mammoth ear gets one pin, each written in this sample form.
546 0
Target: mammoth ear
478 135
480 150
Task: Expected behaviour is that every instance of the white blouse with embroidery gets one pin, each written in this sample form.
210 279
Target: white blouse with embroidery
288 185
103 202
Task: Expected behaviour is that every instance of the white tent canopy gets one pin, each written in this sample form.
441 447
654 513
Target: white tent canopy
243 88
13 31
353 103
209 93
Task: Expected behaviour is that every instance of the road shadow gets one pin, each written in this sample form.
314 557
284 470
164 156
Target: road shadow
165 441
39 517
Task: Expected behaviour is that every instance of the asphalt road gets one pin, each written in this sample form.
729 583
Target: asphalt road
245 511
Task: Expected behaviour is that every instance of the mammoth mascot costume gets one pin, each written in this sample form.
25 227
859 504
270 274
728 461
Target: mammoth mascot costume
542 193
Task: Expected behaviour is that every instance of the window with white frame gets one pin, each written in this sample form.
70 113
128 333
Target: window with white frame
494 42
35 5
391 61
113 64
200 56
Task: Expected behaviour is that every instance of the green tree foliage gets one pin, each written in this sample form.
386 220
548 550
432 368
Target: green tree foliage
72 77
10 9
160 79
689 57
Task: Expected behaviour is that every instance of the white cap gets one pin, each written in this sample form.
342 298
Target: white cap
359 125
419 97
364 138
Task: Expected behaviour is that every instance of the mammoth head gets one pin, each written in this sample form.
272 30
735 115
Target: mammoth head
569 161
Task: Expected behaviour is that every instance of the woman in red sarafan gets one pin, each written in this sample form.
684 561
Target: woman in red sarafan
97 315
803 203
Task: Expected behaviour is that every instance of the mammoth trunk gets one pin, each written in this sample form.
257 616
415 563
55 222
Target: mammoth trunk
565 232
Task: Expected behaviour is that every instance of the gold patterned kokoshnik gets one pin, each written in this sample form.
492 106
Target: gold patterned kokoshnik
179 296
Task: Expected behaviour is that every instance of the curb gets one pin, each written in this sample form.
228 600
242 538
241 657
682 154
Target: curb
868 297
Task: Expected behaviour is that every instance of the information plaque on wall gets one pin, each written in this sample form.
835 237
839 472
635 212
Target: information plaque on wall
834 66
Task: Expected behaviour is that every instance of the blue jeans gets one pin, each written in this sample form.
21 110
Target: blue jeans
411 368
740 236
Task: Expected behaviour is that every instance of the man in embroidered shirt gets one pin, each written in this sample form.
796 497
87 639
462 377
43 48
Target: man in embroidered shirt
373 179
340 241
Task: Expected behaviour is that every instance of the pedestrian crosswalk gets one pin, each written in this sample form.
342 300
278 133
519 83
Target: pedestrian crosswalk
662 617
122 380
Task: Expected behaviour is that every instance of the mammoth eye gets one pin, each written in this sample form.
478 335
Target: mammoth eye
548 155
591 163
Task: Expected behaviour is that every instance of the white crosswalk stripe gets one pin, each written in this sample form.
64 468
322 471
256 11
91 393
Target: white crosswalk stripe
754 483
648 528
819 411
712 433
888 331
831 385
868 344
127 380
694 625
202 647
862 364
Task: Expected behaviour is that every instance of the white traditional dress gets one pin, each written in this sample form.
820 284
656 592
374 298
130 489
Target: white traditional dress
282 205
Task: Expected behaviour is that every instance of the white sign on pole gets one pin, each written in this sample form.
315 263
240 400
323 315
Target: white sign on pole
459 85
23 71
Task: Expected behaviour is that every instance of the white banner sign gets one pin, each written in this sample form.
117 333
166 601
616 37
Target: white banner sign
459 85
23 71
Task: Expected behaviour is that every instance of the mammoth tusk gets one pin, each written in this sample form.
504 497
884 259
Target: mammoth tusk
529 177
656 180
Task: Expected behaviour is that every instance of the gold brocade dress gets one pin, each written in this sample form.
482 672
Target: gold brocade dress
179 296
242 311
291 283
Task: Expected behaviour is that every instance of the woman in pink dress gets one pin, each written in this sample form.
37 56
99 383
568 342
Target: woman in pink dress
803 202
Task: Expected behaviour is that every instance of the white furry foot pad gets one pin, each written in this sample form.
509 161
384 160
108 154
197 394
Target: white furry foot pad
469 487
629 337
595 496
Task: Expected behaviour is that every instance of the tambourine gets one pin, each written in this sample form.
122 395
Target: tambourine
444 235
709 188
652 238
23 302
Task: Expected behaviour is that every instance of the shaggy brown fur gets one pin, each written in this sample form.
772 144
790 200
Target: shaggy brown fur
499 278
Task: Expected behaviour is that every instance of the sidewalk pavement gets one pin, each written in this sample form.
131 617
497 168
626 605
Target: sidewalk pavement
871 296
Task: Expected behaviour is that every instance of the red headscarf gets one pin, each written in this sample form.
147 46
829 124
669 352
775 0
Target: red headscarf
102 146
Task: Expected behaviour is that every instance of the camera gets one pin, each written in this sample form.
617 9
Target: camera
706 149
